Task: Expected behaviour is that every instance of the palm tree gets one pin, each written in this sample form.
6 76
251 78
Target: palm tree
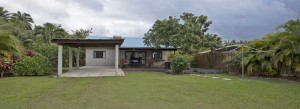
9 43
49 31
287 51
258 57
23 19
4 13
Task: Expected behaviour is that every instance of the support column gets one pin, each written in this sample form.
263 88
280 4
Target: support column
59 65
116 59
70 59
77 58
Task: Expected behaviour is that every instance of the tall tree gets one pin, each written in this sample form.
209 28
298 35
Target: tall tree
189 32
48 31
82 33
23 19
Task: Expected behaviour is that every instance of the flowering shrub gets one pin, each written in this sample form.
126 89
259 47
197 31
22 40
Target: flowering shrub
5 63
4 66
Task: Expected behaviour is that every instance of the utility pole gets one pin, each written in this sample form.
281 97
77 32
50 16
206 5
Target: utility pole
243 61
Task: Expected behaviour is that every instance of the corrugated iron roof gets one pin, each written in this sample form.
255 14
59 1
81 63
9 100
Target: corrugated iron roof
129 42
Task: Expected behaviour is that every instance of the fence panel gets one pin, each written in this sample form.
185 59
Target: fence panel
213 60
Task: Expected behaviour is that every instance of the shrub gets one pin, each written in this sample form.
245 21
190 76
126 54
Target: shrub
49 51
32 66
179 63
233 64
5 66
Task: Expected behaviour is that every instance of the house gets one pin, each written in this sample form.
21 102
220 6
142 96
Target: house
113 51
133 53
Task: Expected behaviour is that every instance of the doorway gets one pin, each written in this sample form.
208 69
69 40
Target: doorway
136 57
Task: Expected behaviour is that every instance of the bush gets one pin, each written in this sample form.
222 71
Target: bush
179 63
49 51
36 65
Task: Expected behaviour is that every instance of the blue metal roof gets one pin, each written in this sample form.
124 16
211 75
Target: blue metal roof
129 42
134 42
98 37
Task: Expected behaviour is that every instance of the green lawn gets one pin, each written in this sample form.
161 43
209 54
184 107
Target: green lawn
148 90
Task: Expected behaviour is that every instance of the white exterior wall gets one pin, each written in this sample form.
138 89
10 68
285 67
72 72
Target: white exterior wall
160 63
109 59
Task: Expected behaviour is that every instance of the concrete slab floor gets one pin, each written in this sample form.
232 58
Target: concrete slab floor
93 71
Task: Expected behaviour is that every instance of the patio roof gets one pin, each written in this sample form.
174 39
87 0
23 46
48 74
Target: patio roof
78 42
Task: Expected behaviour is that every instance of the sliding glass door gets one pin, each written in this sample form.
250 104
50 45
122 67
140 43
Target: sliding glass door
136 57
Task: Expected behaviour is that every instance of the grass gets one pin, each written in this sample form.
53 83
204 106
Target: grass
149 90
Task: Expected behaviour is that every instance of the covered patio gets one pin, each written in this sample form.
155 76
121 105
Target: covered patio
93 71
88 71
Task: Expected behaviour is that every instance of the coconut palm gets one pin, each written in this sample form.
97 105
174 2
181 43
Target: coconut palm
23 19
49 31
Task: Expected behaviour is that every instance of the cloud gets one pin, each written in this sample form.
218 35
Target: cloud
94 5
232 19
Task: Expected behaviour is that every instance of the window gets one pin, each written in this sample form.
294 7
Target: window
99 54
156 55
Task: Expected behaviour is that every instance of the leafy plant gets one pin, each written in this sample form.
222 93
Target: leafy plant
189 32
233 63
180 63
5 66
32 66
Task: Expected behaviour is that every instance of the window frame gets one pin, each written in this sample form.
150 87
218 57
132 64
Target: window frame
103 54
160 53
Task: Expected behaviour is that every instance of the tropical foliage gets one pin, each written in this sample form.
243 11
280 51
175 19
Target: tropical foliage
275 54
189 32
18 34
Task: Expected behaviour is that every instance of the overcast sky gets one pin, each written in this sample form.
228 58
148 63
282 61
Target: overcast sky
232 19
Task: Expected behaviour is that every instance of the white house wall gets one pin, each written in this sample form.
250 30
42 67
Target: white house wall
109 59
164 58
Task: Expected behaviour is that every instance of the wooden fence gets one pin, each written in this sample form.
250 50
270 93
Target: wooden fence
214 60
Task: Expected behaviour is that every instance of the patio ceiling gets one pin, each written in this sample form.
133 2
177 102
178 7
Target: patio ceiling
77 42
